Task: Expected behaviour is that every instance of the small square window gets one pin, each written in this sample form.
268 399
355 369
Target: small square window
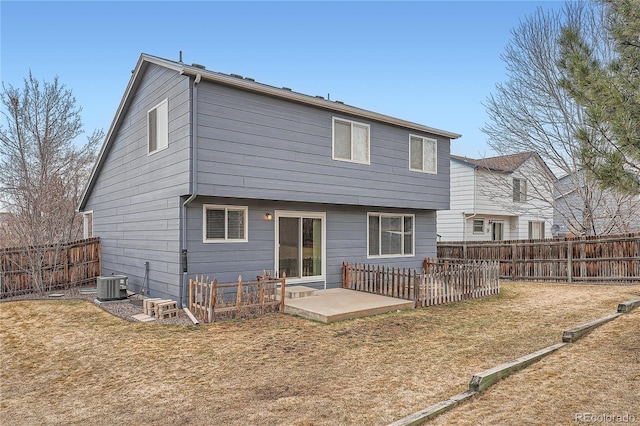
423 154
478 226
224 224
158 127
351 141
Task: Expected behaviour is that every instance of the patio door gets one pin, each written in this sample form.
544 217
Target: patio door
300 246
497 231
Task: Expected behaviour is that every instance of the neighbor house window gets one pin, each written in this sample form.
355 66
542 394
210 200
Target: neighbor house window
423 154
87 224
478 226
224 224
519 190
536 230
158 127
351 141
390 235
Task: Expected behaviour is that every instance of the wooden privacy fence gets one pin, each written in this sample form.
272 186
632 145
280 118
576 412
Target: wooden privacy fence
208 298
439 283
60 266
612 258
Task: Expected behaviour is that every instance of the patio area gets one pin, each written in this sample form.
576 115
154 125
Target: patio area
337 304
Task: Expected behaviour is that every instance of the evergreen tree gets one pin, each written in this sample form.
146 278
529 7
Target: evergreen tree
610 93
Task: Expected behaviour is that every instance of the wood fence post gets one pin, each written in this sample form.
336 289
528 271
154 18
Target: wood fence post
570 261
239 295
284 280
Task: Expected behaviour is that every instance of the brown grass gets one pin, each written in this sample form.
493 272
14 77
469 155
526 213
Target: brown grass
69 362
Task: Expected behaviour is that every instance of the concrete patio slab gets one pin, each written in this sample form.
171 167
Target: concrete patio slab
337 304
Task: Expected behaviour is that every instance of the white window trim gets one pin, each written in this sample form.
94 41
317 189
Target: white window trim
165 144
85 224
302 214
388 256
434 172
473 226
333 141
206 240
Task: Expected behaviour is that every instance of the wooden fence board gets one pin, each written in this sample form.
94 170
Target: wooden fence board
62 266
611 258
206 298
439 282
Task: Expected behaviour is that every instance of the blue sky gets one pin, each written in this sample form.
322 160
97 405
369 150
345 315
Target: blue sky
431 62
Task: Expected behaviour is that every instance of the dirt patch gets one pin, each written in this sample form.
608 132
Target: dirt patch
70 362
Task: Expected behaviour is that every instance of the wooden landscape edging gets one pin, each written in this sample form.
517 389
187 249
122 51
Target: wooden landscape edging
628 306
580 331
482 381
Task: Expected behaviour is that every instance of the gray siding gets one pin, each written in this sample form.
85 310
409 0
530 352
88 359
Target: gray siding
136 196
254 146
346 234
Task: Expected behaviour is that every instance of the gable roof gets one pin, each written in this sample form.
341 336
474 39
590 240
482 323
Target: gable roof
505 163
199 73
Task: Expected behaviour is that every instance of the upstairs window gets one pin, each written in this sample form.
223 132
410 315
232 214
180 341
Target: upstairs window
423 154
351 141
158 127
519 190
223 224
390 235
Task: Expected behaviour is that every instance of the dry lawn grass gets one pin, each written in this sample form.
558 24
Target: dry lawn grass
69 362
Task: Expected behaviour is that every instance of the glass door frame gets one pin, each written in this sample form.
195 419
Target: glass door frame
302 215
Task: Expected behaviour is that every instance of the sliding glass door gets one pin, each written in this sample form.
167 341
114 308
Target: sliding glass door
300 246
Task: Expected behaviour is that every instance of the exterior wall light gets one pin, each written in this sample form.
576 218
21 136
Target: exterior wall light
267 216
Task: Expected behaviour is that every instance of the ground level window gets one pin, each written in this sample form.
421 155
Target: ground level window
224 223
478 226
536 230
390 235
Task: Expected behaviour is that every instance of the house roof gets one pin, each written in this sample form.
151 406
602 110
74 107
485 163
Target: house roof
199 72
505 163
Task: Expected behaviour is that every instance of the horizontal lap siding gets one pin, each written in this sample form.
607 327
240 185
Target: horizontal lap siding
346 232
254 146
136 197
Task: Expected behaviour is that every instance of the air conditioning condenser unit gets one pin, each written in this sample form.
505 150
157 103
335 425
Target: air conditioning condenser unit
113 287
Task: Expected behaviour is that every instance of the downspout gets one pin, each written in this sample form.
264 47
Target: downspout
193 183
464 216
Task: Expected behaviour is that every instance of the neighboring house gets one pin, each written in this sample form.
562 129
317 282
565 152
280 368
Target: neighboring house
216 174
582 208
498 198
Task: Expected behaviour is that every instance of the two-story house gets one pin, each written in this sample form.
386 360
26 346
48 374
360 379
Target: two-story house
498 198
583 207
208 173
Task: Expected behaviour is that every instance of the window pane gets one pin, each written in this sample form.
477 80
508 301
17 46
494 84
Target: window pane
289 237
163 125
374 235
235 226
360 143
391 234
342 140
215 224
311 247
416 153
408 235
153 130
430 155
478 225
